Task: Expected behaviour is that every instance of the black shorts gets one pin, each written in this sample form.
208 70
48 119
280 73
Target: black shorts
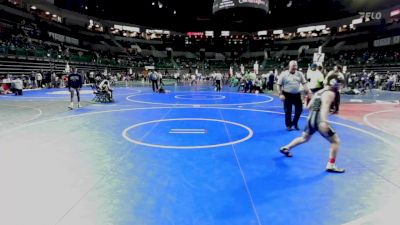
313 125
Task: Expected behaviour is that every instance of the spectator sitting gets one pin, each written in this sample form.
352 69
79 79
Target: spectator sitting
6 83
106 87
391 82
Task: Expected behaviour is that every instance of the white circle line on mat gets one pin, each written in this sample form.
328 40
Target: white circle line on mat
369 123
218 97
128 98
125 134
40 112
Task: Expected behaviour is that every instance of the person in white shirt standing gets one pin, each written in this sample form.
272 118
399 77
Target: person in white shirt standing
315 79
193 80
18 85
256 67
39 79
391 82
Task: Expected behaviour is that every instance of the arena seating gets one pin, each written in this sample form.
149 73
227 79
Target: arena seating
28 43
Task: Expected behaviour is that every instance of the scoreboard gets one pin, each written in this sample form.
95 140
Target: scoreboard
231 4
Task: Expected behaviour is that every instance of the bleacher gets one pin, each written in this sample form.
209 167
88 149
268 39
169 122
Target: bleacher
94 50
19 66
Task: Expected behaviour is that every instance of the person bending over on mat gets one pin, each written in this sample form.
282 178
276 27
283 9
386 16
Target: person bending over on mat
75 82
318 121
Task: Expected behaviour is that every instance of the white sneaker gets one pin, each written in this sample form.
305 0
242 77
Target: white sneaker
331 167
79 105
71 106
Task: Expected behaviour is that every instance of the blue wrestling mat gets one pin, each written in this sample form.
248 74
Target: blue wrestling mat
188 157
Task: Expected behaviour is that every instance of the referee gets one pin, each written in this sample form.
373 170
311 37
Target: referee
289 83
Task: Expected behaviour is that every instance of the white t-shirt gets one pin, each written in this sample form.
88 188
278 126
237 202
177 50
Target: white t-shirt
105 85
218 76
256 67
7 80
253 76
39 76
18 84
241 69
316 79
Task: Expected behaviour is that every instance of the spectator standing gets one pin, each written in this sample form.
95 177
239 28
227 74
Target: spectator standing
338 71
391 81
315 78
271 80
75 82
193 80
39 79
91 77
19 86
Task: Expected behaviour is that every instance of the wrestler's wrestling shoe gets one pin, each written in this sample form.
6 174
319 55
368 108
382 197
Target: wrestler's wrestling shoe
331 168
286 152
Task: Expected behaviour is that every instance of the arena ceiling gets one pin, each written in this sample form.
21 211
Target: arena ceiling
196 15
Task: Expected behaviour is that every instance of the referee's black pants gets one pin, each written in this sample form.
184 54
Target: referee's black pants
290 100
218 85
154 83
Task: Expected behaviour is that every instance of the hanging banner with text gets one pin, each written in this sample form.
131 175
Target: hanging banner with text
387 41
